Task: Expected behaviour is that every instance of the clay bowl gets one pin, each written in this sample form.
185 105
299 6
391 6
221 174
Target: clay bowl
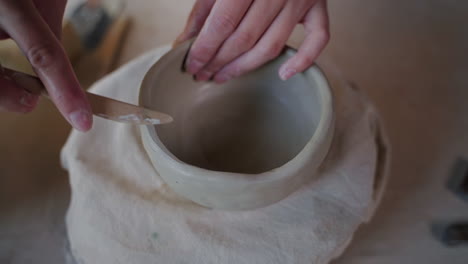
242 145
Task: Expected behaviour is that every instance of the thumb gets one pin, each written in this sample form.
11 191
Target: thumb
25 25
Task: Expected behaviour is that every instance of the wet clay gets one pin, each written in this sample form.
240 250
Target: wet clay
249 125
242 145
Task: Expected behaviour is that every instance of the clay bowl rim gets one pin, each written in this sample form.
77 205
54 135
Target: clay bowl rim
321 135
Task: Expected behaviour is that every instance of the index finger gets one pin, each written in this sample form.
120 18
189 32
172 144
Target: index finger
47 56
222 21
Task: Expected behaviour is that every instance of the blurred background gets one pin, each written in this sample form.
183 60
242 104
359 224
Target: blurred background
409 56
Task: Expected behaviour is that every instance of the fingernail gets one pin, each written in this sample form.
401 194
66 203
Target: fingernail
177 41
184 36
28 100
203 76
222 78
285 73
193 66
81 120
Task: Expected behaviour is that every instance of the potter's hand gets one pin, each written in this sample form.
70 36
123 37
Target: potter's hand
36 27
237 36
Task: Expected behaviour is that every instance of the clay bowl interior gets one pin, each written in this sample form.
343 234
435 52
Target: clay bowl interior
252 125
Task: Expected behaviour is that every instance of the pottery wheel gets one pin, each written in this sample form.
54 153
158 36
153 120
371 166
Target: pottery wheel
122 212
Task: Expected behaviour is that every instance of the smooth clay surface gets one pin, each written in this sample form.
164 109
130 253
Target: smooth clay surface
249 126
